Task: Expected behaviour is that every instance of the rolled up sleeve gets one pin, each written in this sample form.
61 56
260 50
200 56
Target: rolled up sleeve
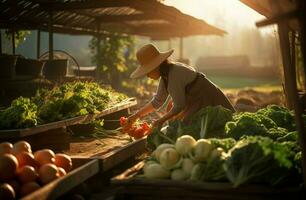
160 96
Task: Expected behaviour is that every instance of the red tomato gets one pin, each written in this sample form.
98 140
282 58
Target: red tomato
139 133
123 121
131 131
145 126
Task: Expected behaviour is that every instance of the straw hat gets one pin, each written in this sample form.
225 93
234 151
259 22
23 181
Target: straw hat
149 57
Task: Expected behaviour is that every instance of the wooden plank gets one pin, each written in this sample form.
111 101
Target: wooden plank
278 18
62 185
130 17
137 188
0 41
19 133
120 155
89 4
292 90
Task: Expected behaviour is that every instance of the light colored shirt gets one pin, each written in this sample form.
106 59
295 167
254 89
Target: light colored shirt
180 75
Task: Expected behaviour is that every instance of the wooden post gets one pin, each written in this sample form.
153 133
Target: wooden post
181 48
38 44
302 6
50 35
0 41
98 74
13 40
283 31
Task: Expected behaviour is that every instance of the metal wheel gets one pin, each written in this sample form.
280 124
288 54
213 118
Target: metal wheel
73 65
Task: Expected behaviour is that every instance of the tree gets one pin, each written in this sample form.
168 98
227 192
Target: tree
114 57
20 36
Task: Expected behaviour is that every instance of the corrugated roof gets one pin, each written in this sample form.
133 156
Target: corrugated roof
146 18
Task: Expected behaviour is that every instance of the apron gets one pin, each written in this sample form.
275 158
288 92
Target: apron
201 93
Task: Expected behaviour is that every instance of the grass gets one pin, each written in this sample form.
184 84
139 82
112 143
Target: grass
234 82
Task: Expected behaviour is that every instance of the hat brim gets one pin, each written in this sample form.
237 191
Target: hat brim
145 69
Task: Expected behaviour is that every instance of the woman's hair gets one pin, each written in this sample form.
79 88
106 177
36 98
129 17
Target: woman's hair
164 69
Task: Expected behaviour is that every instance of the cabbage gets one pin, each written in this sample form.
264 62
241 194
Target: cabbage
185 144
169 158
155 170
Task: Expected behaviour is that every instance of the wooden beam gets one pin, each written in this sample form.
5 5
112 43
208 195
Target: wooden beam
302 6
38 44
292 91
89 4
121 18
278 18
0 41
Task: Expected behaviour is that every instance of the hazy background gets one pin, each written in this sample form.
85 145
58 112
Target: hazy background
243 38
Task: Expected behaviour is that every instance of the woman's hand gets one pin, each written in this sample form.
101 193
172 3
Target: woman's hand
132 119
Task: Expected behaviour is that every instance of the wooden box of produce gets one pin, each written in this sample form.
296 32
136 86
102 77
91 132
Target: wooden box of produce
129 186
46 175
32 175
255 157
49 112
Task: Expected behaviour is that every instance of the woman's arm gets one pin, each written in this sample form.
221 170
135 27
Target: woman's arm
157 101
142 112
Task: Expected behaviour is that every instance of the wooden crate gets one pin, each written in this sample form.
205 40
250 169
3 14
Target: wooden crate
131 187
86 167
80 173
18 134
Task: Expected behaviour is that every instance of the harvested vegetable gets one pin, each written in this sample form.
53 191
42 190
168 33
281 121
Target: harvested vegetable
6 147
156 171
202 150
185 144
8 167
44 156
258 158
24 172
21 114
169 158
7 192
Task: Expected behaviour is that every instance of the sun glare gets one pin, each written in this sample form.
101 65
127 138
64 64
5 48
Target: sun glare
226 14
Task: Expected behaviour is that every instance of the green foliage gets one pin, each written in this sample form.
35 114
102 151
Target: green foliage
114 56
66 101
246 123
74 99
226 143
216 119
20 36
280 115
291 136
21 114
211 170
259 159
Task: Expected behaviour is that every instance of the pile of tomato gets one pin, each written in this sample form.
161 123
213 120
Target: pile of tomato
136 130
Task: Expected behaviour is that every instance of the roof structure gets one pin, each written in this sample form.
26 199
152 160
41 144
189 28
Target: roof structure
272 8
91 17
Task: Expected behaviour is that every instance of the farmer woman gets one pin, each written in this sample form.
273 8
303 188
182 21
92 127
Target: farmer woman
190 90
